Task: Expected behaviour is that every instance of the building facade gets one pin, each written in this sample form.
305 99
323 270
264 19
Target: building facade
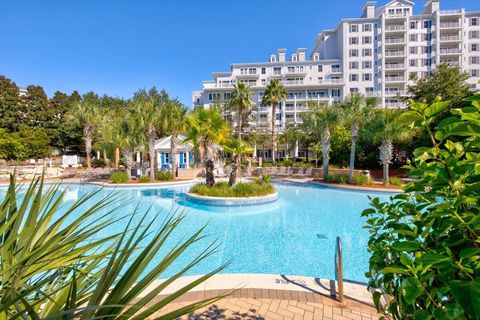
376 55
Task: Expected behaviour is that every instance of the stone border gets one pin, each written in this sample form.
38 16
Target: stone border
230 201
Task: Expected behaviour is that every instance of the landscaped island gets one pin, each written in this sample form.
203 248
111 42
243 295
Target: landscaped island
257 188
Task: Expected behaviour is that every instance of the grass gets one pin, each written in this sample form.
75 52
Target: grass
241 189
119 177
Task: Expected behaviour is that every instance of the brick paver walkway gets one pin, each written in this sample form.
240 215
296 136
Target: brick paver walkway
287 306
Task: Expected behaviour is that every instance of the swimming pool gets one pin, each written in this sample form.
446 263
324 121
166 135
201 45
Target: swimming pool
293 236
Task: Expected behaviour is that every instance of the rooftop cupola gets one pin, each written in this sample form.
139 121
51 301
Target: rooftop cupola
281 55
369 10
431 6
301 54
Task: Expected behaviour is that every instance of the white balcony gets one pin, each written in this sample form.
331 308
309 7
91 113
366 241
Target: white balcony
336 70
293 82
395 79
450 38
450 12
450 51
396 53
393 28
394 41
394 93
449 25
394 66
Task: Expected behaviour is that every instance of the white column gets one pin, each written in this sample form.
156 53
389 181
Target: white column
187 160
98 154
296 148
255 151
138 157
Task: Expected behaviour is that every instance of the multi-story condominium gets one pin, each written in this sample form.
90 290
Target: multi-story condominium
375 55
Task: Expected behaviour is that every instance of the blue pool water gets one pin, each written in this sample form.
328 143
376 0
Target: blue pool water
294 235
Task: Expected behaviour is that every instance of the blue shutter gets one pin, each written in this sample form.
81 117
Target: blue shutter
170 159
163 158
189 157
181 157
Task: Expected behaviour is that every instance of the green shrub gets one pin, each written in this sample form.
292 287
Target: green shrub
337 178
241 189
99 163
396 181
163 176
360 179
144 179
302 165
285 163
119 177
267 165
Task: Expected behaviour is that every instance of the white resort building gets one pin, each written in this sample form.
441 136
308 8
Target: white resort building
375 55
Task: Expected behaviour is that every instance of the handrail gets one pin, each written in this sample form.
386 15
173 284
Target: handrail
339 268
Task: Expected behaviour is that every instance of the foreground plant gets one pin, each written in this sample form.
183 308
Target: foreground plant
54 266
425 243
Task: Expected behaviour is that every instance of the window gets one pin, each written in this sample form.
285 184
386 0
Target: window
474 21
426 62
353 53
167 157
278 116
426 49
413 50
413 37
367 64
264 70
316 56
354 28
294 57
354 77
226 95
474 73
320 68
367 52
473 34
335 68
252 70
413 24
353 90
367 77
335 92
367 40
474 60
354 65
273 58
353 40
277 70
427 37
369 89
427 24
367 27
413 62
474 47
213 96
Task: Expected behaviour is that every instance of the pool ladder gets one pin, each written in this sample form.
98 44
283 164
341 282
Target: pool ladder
339 268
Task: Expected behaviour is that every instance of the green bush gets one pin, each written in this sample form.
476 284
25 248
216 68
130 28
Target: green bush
360 179
396 181
424 243
302 165
241 189
163 176
337 178
267 165
285 163
144 179
119 177
99 163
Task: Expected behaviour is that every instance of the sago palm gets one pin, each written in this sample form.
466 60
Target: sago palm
238 149
274 94
354 113
86 114
206 130
386 128
175 118
55 266
240 98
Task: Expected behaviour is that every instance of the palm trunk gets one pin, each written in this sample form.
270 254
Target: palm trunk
105 156
240 121
128 155
286 151
87 133
274 108
325 151
173 148
386 156
117 157
210 178
353 137
151 150
233 173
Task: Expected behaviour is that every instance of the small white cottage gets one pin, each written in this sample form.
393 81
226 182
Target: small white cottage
184 154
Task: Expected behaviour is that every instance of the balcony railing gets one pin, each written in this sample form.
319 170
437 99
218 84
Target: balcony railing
336 70
394 53
330 80
452 63
395 93
394 79
395 28
397 15
394 104
449 50
450 11
449 38
394 66
292 82
394 40
446 25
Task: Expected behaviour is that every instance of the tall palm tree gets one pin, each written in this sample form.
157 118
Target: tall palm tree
320 121
386 128
354 112
206 130
239 150
85 113
175 118
241 99
148 106
274 94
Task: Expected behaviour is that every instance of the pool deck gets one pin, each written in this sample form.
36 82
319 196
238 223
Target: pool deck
269 296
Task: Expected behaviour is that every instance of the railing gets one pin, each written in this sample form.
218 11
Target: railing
330 80
393 79
397 15
449 38
450 11
292 82
394 53
336 70
449 50
339 269
395 92
452 63
449 25
394 40
390 66
394 104
395 28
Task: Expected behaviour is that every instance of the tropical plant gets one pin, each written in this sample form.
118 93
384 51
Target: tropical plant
207 131
238 150
163 176
355 111
119 177
175 117
386 127
275 93
148 114
240 98
86 114
55 266
241 189
425 243
320 121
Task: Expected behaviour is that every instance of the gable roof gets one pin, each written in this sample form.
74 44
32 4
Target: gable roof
164 144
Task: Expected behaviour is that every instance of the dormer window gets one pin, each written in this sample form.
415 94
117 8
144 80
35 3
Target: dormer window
316 56
294 58
273 58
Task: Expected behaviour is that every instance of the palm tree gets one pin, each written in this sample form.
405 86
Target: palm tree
206 130
354 112
85 113
238 149
175 118
240 98
274 94
386 128
320 121
148 107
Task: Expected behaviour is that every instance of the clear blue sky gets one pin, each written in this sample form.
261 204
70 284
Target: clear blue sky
117 47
